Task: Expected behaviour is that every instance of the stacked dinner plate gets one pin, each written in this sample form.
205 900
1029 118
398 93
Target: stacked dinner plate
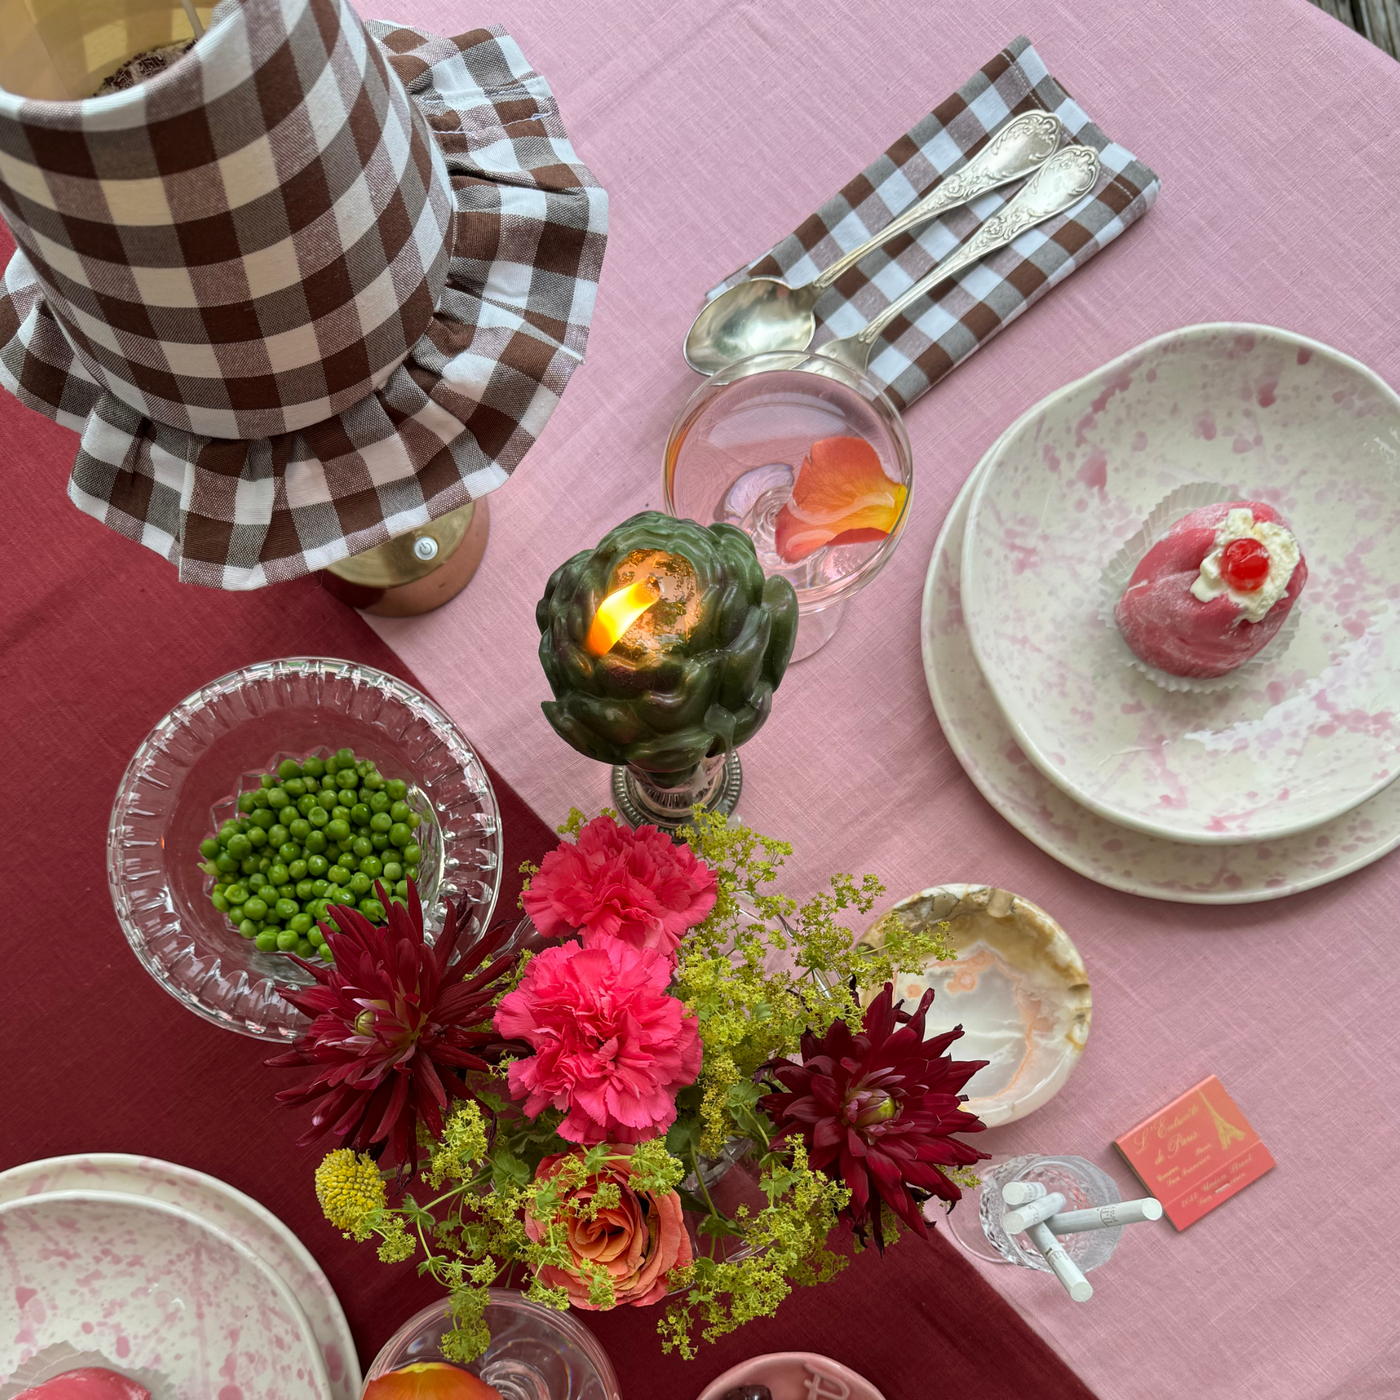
1258 789
167 1276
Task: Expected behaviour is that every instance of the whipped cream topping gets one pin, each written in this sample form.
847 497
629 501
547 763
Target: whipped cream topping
1284 555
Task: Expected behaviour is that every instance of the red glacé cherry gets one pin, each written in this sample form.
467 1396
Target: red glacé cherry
1244 565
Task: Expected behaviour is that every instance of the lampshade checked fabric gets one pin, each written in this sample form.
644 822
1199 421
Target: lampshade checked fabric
316 284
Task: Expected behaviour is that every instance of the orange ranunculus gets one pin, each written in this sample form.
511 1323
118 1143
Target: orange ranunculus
638 1242
841 495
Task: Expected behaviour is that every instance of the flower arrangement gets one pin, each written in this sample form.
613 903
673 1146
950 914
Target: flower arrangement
576 1109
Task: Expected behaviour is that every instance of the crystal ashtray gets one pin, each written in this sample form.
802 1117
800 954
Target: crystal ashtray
190 770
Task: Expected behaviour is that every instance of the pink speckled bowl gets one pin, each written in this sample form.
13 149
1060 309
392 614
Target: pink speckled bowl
786 1374
1281 419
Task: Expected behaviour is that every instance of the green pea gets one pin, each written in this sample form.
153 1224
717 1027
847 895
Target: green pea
399 834
239 846
363 797
287 909
381 822
276 834
319 888
317 865
401 889
344 756
272 922
340 813
286 890
277 875
411 871
294 788
260 799
209 848
393 872
300 923
245 802
397 789
277 799
305 948
317 818
374 782
256 881
326 799
326 954
264 817
399 811
249 928
360 847
413 819
299 828
255 907
267 942
372 866
360 814
264 863
346 779
313 767
338 830
257 838
267 780
314 935
209 868
379 840
289 768
306 804
296 871
359 884
337 875
219 903
288 851
372 909
412 853
249 866
315 843
225 863
304 890
235 894
287 940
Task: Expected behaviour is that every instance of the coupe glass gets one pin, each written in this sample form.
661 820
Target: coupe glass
975 1223
185 778
736 447
535 1353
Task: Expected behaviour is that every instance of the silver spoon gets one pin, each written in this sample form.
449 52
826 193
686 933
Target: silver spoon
764 313
1062 181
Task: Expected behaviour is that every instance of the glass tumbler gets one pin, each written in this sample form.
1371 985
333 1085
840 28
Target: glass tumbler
976 1222
734 453
535 1353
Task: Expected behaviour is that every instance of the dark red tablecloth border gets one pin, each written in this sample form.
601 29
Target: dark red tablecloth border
97 642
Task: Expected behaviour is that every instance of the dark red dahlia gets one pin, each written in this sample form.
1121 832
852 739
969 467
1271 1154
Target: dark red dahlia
392 1028
876 1111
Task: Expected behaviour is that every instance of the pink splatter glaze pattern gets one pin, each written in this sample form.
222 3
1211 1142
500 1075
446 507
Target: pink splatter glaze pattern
1167 626
215 1201
1113 855
1288 421
155 1289
87 1383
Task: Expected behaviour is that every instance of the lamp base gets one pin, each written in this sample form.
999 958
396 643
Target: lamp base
714 784
416 572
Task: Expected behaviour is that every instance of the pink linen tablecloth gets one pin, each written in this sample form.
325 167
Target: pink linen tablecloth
715 127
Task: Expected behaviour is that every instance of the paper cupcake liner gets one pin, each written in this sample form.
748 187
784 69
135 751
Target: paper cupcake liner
1119 572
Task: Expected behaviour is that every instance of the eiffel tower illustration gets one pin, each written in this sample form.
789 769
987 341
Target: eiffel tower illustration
1225 1130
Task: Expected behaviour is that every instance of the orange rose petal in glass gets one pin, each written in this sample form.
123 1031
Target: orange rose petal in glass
430 1380
841 494
617 612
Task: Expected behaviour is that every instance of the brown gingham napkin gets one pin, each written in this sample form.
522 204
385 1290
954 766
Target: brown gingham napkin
317 283
918 349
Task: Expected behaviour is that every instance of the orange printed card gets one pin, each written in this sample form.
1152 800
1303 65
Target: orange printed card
1197 1152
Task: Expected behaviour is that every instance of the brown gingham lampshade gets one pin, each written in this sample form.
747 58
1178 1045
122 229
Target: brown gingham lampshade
314 285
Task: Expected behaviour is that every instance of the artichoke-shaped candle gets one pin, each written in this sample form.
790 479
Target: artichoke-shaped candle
663 647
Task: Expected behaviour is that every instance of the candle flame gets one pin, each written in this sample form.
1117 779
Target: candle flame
617 612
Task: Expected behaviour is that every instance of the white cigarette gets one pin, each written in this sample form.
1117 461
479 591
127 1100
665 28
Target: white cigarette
1064 1268
1020 1193
1023 1217
1071 1222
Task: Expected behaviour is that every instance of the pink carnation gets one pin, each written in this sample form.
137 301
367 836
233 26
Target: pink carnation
638 886
611 1046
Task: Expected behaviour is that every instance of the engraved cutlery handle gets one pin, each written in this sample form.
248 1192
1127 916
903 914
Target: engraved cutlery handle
1020 147
1062 181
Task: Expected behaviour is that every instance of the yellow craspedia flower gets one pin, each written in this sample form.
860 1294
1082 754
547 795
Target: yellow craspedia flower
349 1188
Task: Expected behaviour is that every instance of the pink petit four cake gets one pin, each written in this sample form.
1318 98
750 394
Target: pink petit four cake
1213 591
87 1383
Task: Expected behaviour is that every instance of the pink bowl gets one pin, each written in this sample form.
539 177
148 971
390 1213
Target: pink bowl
786 1373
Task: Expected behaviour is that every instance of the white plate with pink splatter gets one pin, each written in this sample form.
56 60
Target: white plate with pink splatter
157 1292
217 1202
1112 855
1285 420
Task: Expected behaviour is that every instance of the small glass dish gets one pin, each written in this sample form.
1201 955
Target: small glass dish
189 771
734 452
535 1353
975 1223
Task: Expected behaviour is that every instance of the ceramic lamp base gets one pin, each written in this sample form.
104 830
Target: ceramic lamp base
416 572
714 784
